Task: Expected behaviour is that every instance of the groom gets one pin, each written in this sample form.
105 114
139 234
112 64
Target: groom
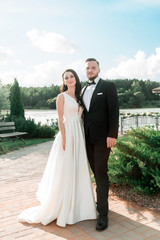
101 117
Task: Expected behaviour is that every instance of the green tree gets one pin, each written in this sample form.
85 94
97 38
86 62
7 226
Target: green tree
17 108
131 93
138 94
38 97
4 97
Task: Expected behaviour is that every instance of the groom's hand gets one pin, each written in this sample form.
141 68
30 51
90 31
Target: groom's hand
110 142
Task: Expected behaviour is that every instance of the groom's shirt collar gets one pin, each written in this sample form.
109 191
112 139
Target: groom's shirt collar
88 93
96 80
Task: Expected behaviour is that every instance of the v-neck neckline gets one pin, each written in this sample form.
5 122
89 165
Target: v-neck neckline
71 97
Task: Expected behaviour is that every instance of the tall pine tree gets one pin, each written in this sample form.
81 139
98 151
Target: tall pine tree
17 109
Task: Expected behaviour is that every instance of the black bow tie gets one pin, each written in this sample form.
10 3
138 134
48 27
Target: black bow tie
90 83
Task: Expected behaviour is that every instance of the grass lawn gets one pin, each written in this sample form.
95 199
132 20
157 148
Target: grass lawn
9 146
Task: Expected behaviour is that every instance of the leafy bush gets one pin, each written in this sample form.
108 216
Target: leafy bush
135 161
34 130
54 124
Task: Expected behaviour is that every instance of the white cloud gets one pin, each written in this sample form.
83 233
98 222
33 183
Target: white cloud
50 41
7 56
43 74
79 67
38 8
140 67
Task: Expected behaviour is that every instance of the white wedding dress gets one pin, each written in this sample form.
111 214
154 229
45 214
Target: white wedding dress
65 191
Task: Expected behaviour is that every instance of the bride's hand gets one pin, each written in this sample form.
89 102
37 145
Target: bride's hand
64 143
80 110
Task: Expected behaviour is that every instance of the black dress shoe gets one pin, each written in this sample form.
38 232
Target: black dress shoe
102 223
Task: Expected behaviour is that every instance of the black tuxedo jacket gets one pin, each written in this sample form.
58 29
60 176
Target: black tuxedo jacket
102 119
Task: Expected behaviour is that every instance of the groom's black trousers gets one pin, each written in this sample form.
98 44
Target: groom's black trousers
98 155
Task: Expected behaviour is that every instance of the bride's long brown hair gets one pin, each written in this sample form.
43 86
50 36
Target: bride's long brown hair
78 84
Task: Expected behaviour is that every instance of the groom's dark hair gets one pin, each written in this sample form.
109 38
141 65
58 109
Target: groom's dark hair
92 59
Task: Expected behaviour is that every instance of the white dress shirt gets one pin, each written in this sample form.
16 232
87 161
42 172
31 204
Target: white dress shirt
88 93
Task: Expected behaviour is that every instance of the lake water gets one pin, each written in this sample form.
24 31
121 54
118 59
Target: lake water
46 116
43 116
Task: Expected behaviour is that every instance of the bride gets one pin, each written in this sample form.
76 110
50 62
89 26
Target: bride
65 190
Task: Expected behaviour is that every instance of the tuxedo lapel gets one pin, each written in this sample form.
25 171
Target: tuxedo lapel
82 93
94 95
83 90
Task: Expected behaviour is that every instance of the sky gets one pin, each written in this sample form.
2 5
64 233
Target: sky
40 39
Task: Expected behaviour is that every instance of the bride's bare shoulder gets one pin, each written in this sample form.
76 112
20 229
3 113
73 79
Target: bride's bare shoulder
60 98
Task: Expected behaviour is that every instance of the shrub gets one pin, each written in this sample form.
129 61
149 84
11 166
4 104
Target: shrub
34 130
54 124
135 161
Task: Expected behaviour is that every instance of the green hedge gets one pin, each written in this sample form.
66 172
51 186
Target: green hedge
34 130
135 161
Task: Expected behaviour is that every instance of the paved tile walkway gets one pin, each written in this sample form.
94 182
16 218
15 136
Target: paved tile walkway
20 173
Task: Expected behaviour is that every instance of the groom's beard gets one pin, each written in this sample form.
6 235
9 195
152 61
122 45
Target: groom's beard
93 77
